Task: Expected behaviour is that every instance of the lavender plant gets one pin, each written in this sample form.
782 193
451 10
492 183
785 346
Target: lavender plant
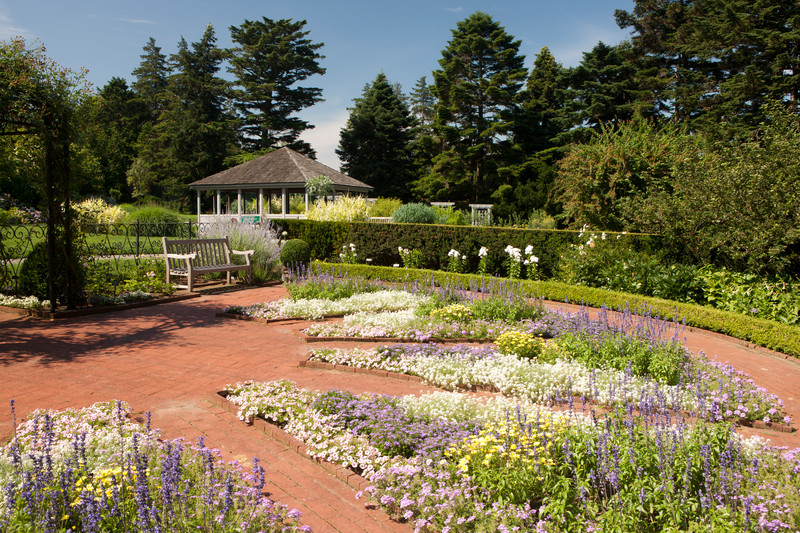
94 470
263 238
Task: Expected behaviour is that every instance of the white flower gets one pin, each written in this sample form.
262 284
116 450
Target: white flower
453 253
534 259
529 250
353 246
396 265
603 235
483 252
514 253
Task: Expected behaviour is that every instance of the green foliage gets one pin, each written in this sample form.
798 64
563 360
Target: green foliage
414 213
269 60
33 275
157 221
327 287
384 207
374 145
451 216
481 72
295 251
324 238
319 186
342 209
735 204
411 258
665 362
774 299
597 182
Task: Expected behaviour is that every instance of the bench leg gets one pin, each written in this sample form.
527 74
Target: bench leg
189 282
229 276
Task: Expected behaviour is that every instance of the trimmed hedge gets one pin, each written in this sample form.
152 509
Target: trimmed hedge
767 333
379 242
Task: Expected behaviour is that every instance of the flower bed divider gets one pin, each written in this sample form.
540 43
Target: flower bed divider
353 480
47 315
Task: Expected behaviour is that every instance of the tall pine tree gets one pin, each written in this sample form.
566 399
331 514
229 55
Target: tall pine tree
480 76
193 133
271 58
375 144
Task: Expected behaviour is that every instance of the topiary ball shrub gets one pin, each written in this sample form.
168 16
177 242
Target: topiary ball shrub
415 214
33 274
295 251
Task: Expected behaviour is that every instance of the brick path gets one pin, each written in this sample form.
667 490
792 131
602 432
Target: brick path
169 359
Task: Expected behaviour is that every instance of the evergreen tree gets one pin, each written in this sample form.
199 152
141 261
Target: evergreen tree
421 103
115 118
375 144
270 59
193 133
603 87
480 76
541 105
151 77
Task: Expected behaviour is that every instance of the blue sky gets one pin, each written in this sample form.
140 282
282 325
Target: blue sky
402 39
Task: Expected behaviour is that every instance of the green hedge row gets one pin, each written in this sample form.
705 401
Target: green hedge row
380 242
767 333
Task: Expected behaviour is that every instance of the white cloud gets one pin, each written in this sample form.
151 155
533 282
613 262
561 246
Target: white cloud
9 30
137 21
324 138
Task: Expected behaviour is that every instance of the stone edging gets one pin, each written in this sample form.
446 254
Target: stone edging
352 479
236 316
439 340
322 365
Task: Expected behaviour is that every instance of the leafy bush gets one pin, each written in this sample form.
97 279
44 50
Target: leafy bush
157 221
414 214
262 238
450 216
34 271
343 209
304 284
384 207
774 298
295 251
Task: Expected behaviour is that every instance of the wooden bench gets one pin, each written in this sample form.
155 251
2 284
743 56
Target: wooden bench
192 257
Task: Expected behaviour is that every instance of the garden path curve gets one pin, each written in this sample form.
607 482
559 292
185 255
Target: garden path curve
170 359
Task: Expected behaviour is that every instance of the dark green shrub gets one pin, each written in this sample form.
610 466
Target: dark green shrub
295 251
415 214
33 274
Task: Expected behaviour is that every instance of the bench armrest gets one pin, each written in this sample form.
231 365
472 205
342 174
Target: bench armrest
181 256
243 252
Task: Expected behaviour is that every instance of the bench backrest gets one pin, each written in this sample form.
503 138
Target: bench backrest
209 251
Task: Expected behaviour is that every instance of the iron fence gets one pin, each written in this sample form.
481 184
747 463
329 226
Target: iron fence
106 242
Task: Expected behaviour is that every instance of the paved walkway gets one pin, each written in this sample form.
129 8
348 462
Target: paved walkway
169 359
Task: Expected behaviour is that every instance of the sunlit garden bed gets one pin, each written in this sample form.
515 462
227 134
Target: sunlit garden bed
452 462
96 470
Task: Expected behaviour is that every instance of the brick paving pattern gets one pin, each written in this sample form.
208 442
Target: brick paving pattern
170 359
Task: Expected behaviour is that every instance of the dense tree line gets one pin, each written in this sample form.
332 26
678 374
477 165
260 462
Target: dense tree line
611 142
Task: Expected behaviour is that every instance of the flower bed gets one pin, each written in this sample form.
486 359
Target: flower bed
448 462
95 470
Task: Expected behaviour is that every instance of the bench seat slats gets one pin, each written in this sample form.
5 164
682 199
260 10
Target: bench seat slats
191 257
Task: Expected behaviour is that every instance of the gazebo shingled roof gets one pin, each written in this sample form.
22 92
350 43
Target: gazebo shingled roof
282 167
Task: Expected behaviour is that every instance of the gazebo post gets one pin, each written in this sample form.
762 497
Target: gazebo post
284 201
306 195
239 204
260 204
198 206
218 210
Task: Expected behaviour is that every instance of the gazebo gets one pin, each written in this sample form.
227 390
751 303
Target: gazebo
262 188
